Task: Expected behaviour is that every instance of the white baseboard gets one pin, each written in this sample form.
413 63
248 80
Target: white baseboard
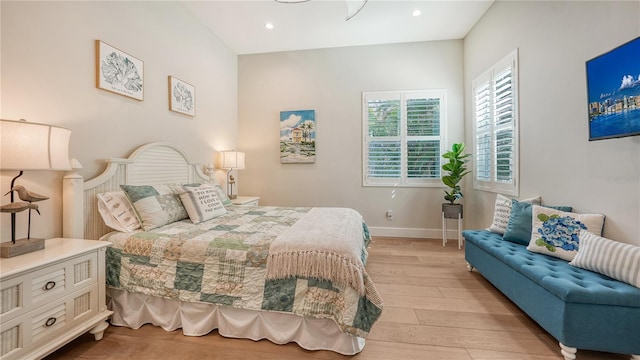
417 233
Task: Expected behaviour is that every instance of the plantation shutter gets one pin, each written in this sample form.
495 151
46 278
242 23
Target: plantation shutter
423 137
503 118
495 135
403 138
482 99
384 146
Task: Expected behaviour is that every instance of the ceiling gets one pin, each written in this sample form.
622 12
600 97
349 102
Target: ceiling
314 24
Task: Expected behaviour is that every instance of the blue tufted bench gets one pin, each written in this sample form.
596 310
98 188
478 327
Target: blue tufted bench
580 308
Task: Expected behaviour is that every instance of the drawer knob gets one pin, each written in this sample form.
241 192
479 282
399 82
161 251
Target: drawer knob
49 285
50 321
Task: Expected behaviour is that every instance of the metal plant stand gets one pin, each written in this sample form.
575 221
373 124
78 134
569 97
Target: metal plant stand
444 230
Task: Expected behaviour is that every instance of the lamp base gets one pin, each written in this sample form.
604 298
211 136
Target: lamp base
22 246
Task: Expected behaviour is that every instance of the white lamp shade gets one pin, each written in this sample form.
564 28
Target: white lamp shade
232 160
32 146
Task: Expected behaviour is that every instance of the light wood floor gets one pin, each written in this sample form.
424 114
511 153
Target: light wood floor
434 310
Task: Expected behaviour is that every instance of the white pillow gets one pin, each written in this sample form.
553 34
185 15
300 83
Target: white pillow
556 233
502 211
614 259
222 196
116 211
202 203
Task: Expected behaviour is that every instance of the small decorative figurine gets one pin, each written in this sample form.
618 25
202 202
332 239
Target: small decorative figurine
27 197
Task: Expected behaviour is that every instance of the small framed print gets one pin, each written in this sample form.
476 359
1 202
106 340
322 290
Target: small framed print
119 72
182 97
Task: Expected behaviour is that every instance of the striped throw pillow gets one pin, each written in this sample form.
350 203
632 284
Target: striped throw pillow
502 211
615 259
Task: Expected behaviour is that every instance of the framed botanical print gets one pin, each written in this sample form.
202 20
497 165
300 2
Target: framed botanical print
182 96
119 72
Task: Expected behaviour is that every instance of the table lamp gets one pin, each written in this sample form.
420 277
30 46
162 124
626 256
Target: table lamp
27 146
231 159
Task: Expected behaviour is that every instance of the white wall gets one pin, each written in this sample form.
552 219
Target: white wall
48 75
331 82
556 159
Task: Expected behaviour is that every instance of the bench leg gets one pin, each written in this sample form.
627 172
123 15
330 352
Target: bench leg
470 268
569 353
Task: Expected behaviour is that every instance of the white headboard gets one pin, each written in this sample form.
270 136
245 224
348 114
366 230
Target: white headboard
154 163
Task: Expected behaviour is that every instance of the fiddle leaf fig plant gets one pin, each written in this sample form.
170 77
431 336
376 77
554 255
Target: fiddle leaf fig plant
455 170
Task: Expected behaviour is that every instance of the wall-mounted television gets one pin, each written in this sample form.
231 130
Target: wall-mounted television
613 90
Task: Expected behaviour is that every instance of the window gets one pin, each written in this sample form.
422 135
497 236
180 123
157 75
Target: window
495 115
403 137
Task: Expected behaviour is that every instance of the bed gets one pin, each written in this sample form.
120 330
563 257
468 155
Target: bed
283 274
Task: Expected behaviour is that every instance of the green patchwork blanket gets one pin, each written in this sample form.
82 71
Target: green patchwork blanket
224 261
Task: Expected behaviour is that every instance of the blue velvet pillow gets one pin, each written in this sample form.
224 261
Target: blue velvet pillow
519 226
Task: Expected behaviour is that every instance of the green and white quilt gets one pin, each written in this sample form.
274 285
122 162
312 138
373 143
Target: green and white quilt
224 261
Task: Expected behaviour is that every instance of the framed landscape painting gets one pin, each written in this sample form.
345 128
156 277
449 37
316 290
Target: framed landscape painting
298 137
119 72
613 90
182 96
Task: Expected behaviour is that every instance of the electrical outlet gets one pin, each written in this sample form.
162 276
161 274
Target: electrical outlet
389 214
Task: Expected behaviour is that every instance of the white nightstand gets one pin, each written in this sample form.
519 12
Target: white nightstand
51 296
246 200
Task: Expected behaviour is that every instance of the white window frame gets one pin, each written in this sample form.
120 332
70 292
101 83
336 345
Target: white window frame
487 79
403 180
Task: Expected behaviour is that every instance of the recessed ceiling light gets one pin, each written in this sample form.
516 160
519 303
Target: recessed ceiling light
416 12
268 26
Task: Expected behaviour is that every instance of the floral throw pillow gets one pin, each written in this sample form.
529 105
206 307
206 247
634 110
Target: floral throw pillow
556 233
519 225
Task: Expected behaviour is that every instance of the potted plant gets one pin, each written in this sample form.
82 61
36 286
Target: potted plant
455 170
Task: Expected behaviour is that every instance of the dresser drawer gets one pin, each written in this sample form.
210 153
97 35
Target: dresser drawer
47 322
51 296
20 294
63 314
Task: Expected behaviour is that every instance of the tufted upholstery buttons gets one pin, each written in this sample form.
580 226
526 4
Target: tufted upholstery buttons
569 283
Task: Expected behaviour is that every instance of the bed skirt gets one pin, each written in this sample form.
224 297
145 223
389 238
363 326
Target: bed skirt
196 319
